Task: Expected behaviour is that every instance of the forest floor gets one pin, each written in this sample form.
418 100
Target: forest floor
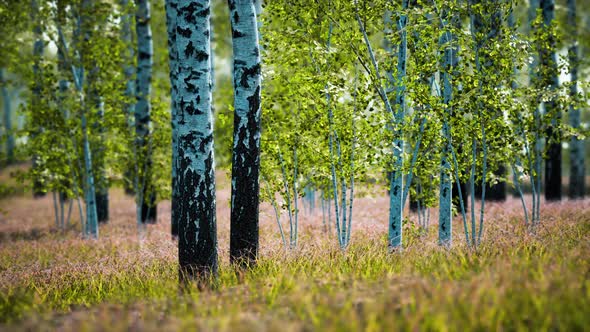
515 280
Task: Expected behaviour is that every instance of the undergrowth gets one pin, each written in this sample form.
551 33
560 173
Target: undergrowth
537 282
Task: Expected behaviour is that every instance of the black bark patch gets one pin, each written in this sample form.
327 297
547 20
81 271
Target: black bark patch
190 87
197 241
236 33
175 211
189 49
144 56
253 105
189 12
189 108
201 55
244 232
203 13
186 33
205 142
247 73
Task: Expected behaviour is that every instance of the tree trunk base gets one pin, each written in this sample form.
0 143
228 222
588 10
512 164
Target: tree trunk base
102 207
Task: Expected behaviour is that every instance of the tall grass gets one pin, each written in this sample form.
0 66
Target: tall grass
514 281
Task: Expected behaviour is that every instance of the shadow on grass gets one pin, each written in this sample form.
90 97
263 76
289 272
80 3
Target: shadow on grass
33 234
28 235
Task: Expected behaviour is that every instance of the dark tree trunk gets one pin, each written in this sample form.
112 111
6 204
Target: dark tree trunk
577 167
149 209
464 194
549 79
494 193
553 170
497 192
413 204
246 148
102 207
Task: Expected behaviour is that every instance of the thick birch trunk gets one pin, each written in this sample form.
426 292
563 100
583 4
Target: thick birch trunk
246 146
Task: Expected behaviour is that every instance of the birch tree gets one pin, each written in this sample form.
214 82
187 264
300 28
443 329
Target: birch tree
577 156
14 24
396 192
36 88
195 176
128 107
82 44
7 116
449 63
397 111
171 19
535 157
146 197
246 148
96 105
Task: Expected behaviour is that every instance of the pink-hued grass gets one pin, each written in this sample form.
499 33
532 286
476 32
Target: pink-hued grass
515 280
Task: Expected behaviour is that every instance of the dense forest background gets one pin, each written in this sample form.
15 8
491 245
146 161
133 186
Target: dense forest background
446 103
109 48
